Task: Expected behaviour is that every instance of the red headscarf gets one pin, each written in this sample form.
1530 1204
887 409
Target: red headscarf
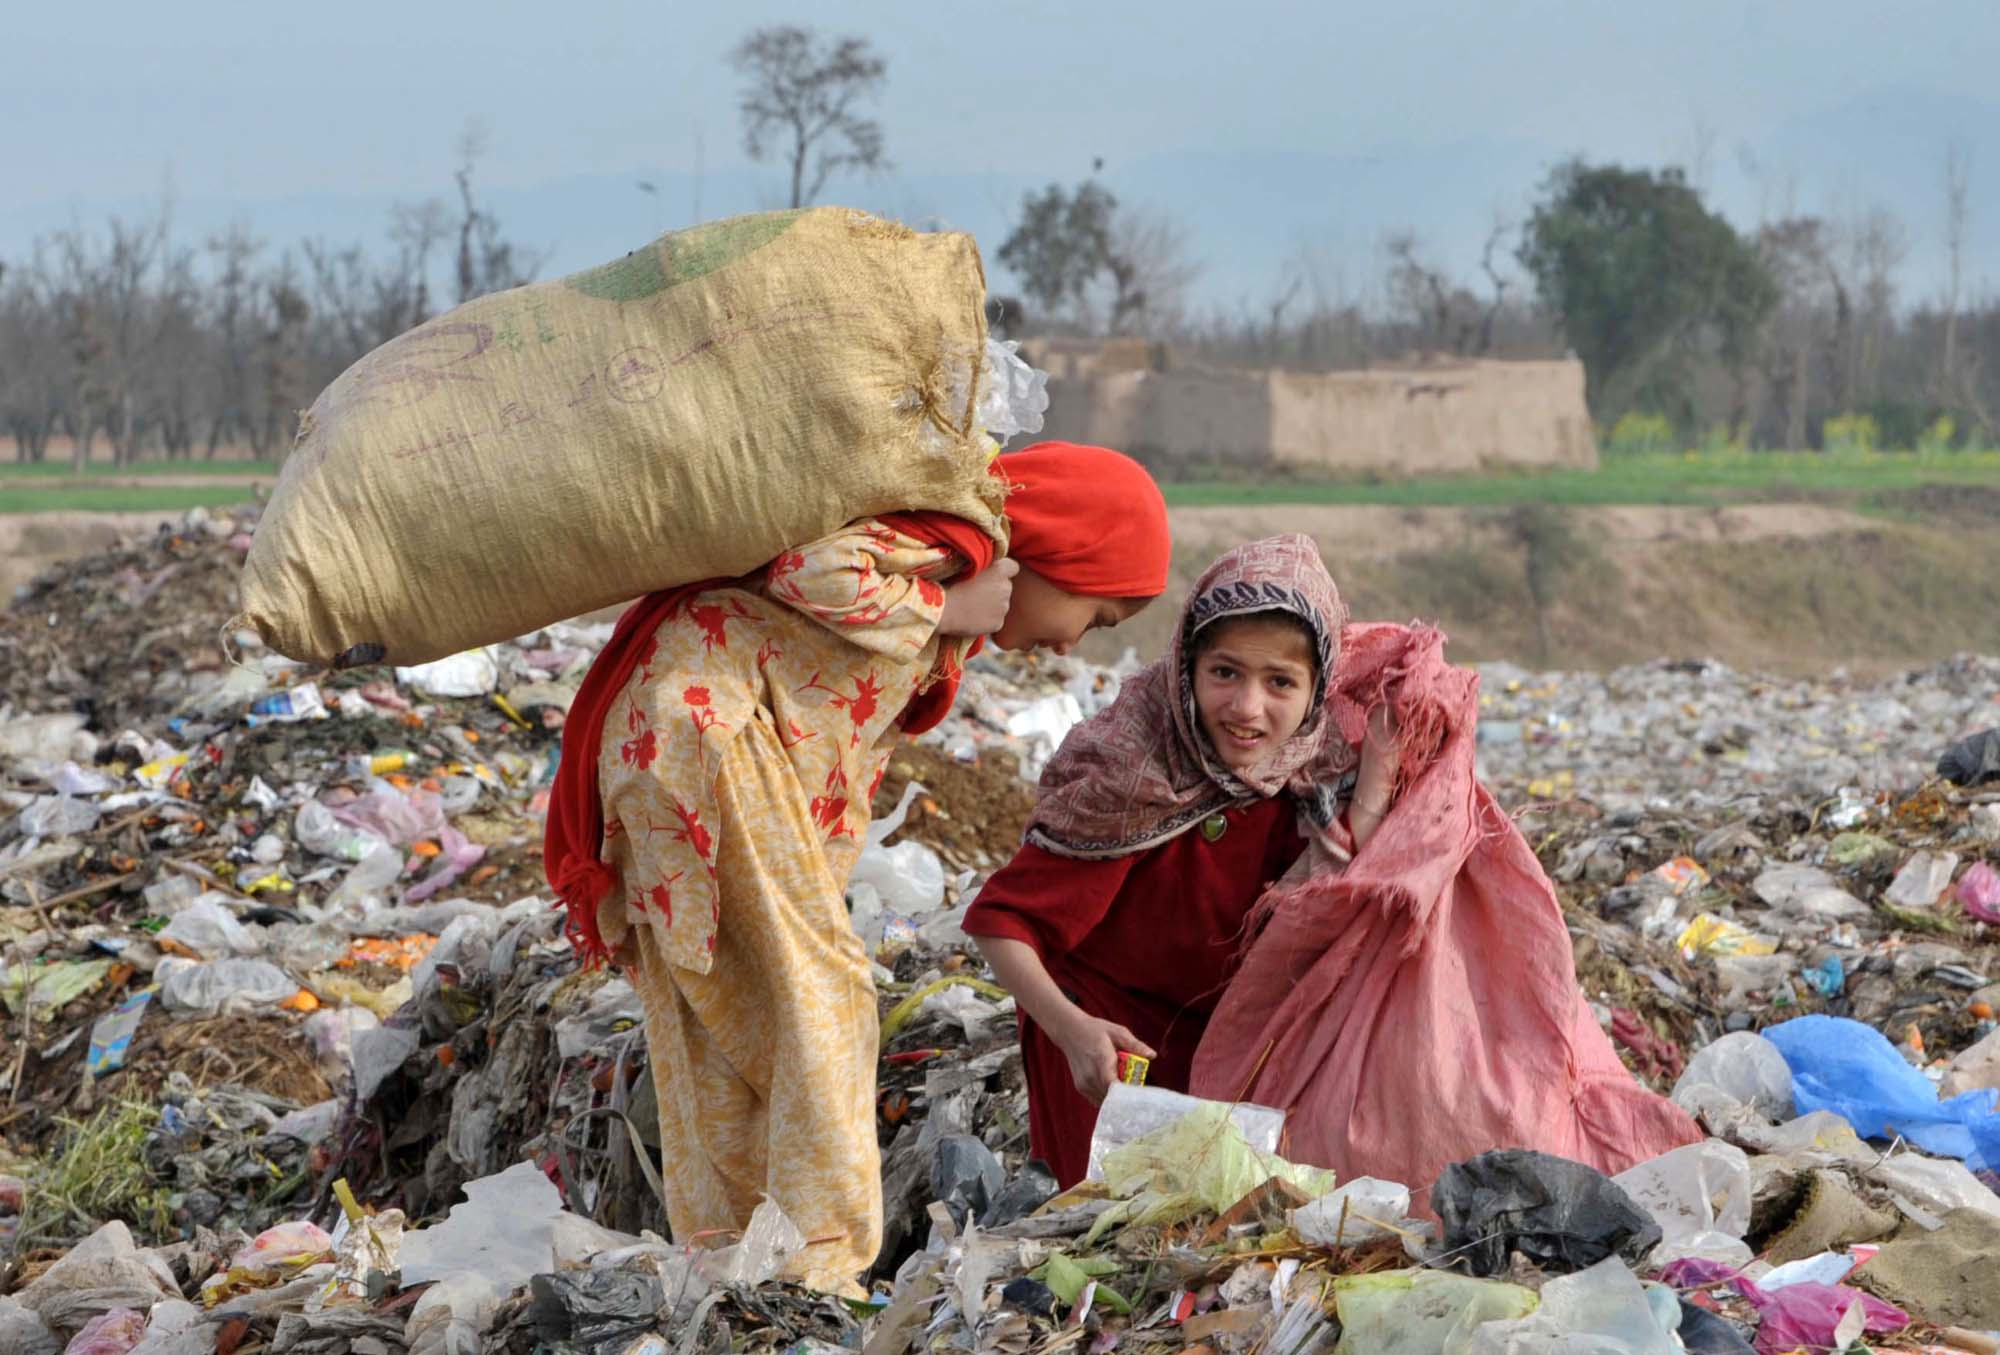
1089 520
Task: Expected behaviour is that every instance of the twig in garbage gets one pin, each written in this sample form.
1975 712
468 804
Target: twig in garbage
106 830
27 1034
194 870
35 902
1064 1223
91 891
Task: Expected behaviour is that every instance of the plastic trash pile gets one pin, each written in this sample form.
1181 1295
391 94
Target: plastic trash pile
284 998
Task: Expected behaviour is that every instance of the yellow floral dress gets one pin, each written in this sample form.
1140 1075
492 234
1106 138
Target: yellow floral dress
737 769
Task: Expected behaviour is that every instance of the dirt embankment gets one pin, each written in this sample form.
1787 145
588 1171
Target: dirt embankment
1789 588
1785 587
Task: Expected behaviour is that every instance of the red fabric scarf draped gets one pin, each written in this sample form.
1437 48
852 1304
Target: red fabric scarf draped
573 846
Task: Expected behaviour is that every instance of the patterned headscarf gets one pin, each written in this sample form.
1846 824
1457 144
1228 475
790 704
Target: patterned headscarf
1143 771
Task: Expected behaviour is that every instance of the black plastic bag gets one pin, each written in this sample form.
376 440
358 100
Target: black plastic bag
1034 1187
1706 1333
594 1310
1973 761
1561 1215
965 1177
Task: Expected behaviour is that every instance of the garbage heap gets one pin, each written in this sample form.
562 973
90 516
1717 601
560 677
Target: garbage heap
297 1058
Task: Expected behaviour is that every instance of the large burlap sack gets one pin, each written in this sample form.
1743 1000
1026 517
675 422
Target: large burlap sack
687 412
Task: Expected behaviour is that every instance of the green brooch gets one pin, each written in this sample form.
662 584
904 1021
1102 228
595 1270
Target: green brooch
1213 827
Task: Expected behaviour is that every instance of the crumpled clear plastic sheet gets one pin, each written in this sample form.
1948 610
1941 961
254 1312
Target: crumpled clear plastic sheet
1199 1162
770 1241
1700 1196
238 983
1422 1310
1928 1188
59 816
106 1270
1130 1113
209 927
1603 1310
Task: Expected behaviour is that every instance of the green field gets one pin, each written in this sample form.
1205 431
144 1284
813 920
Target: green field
87 498
1863 480
1694 478
64 470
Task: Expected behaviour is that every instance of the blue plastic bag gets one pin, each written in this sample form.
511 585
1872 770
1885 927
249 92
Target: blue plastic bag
1852 1070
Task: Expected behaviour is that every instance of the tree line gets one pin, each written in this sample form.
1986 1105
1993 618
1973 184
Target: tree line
1794 334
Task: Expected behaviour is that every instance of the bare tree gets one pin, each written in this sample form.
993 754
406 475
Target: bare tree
1496 237
1446 317
1877 246
1150 269
32 360
800 97
1957 185
1701 154
233 317
1795 251
284 383
1417 290
487 262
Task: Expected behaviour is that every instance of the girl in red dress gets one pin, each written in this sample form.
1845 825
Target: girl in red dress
1162 822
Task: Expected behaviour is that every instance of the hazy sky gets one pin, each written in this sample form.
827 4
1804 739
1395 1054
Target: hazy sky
1418 111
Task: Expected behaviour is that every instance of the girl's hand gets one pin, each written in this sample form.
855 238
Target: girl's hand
1376 781
978 605
1092 1047
1380 743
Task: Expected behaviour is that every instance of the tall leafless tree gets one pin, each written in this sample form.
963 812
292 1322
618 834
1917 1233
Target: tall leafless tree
487 261
801 101
1151 268
1957 213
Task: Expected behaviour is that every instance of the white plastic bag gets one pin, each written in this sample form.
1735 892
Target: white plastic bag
476 672
370 879
1013 397
221 987
503 1230
907 878
1700 1197
319 832
59 816
1922 880
209 928
1928 1188
1743 1066
1359 1211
